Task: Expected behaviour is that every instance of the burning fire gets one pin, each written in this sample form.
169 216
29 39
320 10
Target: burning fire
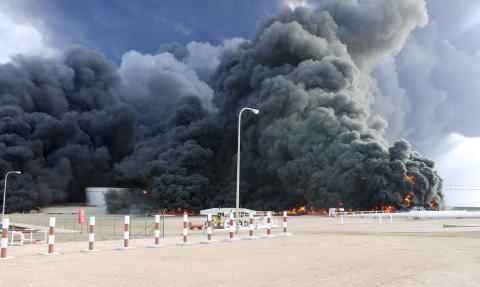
408 199
385 208
411 178
176 211
302 210
433 205
307 210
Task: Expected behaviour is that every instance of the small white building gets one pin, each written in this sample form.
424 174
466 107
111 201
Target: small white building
96 195
226 211
221 220
332 212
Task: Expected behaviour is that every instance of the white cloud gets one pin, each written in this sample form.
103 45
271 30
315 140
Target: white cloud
17 36
460 165
292 4
204 58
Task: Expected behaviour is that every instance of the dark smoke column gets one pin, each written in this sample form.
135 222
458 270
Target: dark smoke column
316 142
63 125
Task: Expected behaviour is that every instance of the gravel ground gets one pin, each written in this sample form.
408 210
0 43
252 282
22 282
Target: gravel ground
321 252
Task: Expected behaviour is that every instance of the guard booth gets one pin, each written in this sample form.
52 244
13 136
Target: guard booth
220 218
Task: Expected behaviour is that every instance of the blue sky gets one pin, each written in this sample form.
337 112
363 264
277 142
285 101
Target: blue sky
114 27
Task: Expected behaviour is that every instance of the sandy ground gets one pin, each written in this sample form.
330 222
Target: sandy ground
321 252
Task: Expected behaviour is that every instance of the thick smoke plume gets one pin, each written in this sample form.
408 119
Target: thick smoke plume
313 141
166 123
63 125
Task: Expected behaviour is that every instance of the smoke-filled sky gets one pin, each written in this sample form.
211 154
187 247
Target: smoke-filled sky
426 87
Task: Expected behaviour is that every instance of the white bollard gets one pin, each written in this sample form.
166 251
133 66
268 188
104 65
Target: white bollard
231 233
184 241
156 243
209 231
285 232
379 218
251 226
341 219
391 218
126 234
4 246
51 239
269 226
91 236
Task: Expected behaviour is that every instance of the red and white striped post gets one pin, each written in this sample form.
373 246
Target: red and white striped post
251 226
185 228
157 230
126 231
91 236
156 243
209 227
209 231
184 231
5 224
269 226
231 226
51 238
285 233
126 234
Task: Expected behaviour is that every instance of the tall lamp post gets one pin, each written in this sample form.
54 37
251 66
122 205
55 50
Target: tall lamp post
237 205
5 190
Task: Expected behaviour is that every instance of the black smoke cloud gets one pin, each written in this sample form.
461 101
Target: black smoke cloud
313 140
166 123
63 125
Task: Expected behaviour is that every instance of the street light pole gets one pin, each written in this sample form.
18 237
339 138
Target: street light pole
5 190
237 205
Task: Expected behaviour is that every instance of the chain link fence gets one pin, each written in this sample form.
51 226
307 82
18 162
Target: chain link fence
107 227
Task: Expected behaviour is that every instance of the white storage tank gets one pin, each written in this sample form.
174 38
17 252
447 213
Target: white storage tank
96 195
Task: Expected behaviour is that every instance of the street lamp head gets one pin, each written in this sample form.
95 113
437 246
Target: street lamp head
18 172
255 111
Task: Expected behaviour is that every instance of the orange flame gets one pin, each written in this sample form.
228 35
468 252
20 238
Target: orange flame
176 211
306 210
411 178
384 208
408 199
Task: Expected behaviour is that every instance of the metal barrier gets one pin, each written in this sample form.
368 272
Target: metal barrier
20 234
